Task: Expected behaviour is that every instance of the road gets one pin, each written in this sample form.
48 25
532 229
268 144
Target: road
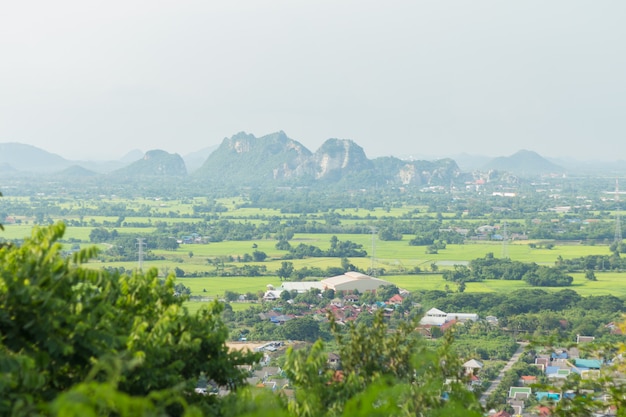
496 382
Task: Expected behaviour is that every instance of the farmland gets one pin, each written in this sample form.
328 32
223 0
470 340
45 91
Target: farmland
211 266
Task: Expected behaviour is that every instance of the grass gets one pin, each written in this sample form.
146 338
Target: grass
214 287
194 306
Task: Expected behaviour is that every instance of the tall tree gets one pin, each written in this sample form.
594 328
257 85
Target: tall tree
68 329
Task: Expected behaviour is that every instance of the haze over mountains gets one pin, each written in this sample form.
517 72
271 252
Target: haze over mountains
248 160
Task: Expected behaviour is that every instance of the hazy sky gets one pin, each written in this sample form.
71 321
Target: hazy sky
96 79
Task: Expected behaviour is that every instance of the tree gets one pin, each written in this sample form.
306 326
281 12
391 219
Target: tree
259 256
115 340
590 275
231 296
285 270
305 329
383 374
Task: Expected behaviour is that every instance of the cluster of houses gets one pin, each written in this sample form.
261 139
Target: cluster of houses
557 366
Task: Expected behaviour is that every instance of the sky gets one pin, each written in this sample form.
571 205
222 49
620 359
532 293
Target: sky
97 79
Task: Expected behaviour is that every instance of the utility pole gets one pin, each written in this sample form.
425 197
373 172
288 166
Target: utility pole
505 242
140 245
618 225
373 259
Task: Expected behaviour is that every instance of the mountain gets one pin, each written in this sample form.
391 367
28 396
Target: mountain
524 163
76 171
245 159
276 159
394 171
155 163
194 160
131 156
339 158
27 158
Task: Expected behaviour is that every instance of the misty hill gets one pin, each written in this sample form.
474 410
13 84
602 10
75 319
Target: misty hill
524 163
275 158
155 163
76 171
399 172
131 156
245 159
337 159
27 158
194 160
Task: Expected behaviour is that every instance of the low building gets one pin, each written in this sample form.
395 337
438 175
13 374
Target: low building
349 282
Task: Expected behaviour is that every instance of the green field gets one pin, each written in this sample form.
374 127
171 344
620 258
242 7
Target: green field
396 258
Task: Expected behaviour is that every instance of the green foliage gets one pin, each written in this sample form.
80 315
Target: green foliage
545 276
382 374
305 328
339 249
63 326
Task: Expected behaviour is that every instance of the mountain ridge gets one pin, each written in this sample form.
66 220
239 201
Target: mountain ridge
248 160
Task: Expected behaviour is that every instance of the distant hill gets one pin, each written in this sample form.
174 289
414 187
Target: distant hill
524 163
275 159
399 172
27 158
155 163
245 159
194 160
131 156
76 171
337 159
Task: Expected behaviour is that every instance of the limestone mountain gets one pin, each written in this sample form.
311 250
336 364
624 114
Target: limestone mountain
524 163
396 171
339 159
246 159
155 163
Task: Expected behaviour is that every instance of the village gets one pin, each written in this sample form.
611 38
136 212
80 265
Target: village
351 297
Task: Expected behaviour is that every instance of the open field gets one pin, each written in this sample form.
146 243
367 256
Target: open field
396 258
609 283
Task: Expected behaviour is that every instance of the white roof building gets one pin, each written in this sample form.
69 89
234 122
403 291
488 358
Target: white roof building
302 286
436 317
351 281
354 281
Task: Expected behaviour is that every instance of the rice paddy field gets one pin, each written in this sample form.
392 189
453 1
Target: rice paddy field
396 259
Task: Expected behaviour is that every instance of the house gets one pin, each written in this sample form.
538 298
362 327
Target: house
334 360
584 339
472 366
272 295
448 325
520 393
351 298
395 300
528 379
337 302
